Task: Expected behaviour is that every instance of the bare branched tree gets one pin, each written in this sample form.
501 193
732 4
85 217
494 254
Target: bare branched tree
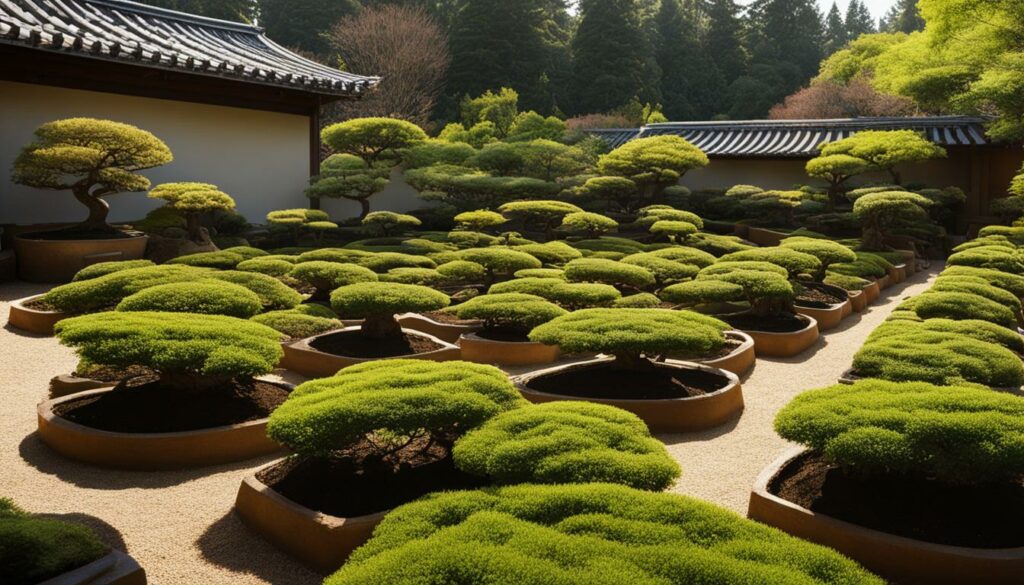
404 45
828 99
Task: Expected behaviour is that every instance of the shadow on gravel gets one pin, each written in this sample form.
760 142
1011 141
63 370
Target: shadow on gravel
106 533
229 544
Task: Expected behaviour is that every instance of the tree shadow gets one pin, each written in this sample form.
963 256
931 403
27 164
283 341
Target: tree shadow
697 436
228 543
109 535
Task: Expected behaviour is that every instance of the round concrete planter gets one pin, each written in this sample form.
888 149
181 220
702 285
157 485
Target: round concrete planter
506 353
151 451
449 332
858 301
67 384
829 318
300 357
871 292
319 540
739 360
668 415
897 558
115 568
884 282
765 236
789 344
33 320
898 273
60 260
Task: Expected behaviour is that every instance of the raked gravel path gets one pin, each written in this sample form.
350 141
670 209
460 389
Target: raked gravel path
180 527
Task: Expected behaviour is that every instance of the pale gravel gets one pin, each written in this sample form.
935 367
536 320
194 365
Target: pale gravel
180 527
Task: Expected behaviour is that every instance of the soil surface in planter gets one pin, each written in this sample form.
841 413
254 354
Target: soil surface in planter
155 408
447 318
730 346
500 334
39 305
80 234
355 344
604 380
930 511
357 489
784 323
132 375
817 299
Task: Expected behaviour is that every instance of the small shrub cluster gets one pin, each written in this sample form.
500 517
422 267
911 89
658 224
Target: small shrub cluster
35 549
204 297
571 295
509 311
378 303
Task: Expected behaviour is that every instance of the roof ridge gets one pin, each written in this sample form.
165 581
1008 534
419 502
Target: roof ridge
160 12
903 120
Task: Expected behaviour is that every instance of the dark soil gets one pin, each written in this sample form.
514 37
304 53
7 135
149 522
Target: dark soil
976 517
730 346
40 305
604 380
447 318
344 487
817 299
508 335
81 234
132 375
355 344
155 408
784 323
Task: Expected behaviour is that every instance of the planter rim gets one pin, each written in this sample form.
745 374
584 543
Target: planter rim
472 335
304 344
129 235
20 303
772 470
467 323
811 323
746 342
733 380
95 570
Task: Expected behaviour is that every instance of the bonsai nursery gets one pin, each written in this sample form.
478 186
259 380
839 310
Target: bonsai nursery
507 334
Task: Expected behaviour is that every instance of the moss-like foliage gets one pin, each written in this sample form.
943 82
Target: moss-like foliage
716 244
961 435
382 262
879 211
185 349
590 534
296 324
540 273
273 293
665 271
610 244
961 305
191 200
827 252
385 403
685 255
421 276
480 219
551 253
843 281
938 357
763 285
795 263
268 266
379 302
638 301
572 295
513 311
499 262
1012 283
630 333
995 257
342 255
327 276
567 442
106 291
461 272
105 268
899 323
205 297
539 215
35 549
977 286
609 272
221 260
652 163
591 225
699 292
389 222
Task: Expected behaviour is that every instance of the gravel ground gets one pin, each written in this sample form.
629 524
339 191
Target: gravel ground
179 525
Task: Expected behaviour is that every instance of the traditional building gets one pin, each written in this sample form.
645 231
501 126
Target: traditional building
772 153
236 109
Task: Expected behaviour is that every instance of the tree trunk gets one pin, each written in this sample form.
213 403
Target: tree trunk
872 237
633 362
895 176
98 209
195 230
381 327
364 205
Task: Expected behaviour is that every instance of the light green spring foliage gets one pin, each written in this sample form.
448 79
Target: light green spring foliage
389 222
499 262
973 328
938 357
994 240
296 324
589 534
674 230
961 305
685 255
434 151
221 260
764 285
697 292
333 255
391 398
516 311
374 140
1013 283
827 252
657 161
247 252
327 276
633 332
977 286
891 203
103 292
846 282
617 190
380 262
189 197
479 220
743 191
609 272
642 300
995 257
540 273
610 244
371 299
296 217
408 275
268 266
542 214
179 343
273 293
567 442
554 253
206 297
34 549
648 216
592 225
884 149
716 244
105 268
572 295
665 271
795 262
461 272
960 435
836 169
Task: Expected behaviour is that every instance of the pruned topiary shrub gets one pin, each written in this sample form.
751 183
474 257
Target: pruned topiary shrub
105 268
761 284
995 257
220 260
34 549
342 255
479 220
540 273
513 313
378 303
878 212
716 244
381 262
609 244
553 253
204 297
462 272
845 282
273 293
618 274
572 295
268 266
388 223
567 442
685 255
406 275
538 215
327 276
638 301
104 292
977 286
795 263
191 201
584 535
958 435
296 324
499 263
664 270
961 305
827 253
973 328
589 225
1012 283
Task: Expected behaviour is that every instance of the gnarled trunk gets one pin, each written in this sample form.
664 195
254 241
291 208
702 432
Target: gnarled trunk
633 362
98 209
381 327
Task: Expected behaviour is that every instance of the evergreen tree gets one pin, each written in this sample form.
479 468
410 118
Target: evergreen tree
302 24
858 20
904 16
613 57
238 10
835 31
687 71
723 39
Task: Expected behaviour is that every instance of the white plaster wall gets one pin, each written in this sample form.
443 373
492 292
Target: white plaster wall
259 158
397 196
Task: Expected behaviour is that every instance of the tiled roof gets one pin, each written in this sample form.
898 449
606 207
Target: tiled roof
798 138
128 32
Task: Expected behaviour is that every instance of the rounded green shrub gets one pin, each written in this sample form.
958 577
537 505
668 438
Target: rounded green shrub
629 334
995 257
204 297
105 268
510 311
716 244
676 231
391 401
845 282
498 262
899 324
382 262
540 273
273 293
699 292
221 260
638 301
609 272
186 350
296 324
795 263
551 253
247 252
1013 283
976 286
389 222
959 435
327 276
191 201
34 549
572 295
962 305
268 266
763 285
584 534
567 442
665 271
459 272
421 276
104 292
480 219
685 255
591 225
826 251
940 358
609 244
340 255
648 216
379 302
541 215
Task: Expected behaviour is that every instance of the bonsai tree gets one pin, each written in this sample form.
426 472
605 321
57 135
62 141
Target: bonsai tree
386 413
461 272
388 223
878 212
221 260
794 262
191 201
479 220
826 251
327 276
35 549
836 170
381 262
665 271
300 220
652 163
763 286
618 274
515 313
106 291
205 297
377 303
571 295
676 231
92 159
301 322
540 216
590 225
567 442
104 268
270 266
554 253
611 533
885 149
619 191
633 336
498 262
190 353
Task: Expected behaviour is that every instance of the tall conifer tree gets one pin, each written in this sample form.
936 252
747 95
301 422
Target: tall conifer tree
724 39
858 20
687 72
302 23
835 31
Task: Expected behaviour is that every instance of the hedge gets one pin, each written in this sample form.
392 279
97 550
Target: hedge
205 297
961 305
976 286
980 330
567 442
609 272
997 257
35 549
572 295
1013 283
105 268
104 292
